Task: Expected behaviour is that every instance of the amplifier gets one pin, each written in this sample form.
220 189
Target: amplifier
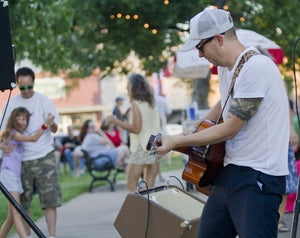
165 211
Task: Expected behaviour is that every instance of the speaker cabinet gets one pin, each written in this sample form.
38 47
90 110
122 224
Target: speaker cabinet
7 74
169 212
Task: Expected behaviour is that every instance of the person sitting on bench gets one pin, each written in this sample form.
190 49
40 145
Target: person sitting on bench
96 143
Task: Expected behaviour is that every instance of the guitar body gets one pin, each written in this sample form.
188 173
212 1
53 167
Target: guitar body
204 162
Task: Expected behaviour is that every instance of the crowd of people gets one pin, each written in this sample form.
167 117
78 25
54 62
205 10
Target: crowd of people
32 155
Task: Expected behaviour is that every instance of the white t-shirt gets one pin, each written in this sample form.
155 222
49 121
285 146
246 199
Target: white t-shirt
263 142
38 106
91 143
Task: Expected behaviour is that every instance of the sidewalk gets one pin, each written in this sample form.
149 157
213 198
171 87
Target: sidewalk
92 214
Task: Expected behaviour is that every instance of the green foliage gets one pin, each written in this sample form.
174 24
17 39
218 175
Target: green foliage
276 20
83 35
79 36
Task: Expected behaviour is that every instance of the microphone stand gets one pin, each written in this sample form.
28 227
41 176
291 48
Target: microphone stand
296 214
20 209
297 201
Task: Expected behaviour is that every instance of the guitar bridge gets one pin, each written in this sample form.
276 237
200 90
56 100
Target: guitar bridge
200 152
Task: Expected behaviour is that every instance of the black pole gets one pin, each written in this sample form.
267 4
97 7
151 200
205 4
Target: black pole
297 201
20 209
296 213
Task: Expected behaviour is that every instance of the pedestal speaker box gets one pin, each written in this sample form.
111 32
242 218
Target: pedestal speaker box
7 78
161 212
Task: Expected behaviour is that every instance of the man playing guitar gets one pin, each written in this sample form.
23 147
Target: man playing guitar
247 191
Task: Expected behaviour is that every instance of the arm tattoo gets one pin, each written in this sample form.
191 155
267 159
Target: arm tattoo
244 108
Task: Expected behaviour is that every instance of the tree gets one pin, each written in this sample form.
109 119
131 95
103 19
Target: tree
79 36
82 35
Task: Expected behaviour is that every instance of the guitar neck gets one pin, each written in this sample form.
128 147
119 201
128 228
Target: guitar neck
194 151
197 151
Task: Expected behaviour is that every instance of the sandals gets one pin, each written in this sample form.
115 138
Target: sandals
282 227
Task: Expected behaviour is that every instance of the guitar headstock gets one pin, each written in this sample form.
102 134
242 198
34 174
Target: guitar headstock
153 143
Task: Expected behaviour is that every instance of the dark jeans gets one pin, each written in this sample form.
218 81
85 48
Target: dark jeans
243 202
69 158
103 162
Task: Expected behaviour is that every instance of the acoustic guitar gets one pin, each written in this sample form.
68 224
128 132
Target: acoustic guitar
204 162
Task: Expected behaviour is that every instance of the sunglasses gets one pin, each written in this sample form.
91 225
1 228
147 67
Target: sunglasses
202 44
28 87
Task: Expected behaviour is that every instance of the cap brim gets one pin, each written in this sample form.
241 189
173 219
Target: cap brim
189 45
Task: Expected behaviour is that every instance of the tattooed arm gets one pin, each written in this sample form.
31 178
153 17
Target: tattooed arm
240 112
244 108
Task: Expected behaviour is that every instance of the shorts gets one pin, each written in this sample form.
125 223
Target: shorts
141 156
44 174
11 181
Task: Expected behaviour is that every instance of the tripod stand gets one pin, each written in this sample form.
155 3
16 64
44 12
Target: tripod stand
296 214
21 211
297 201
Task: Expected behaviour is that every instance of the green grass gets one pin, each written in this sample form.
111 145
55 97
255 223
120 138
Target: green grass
72 187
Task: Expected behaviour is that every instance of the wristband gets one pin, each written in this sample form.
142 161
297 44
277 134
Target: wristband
44 127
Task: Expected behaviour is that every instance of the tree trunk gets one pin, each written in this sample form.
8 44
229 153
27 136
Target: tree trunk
201 90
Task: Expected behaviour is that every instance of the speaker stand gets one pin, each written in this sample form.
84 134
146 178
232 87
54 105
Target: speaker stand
22 212
296 213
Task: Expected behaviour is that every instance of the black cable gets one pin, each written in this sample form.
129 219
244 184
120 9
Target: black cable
172 176
148 206
297 202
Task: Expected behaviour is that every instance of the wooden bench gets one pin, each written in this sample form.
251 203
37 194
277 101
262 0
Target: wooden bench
102 174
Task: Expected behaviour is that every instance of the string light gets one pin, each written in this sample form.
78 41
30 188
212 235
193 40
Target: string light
242 19
166 2
104 31
135 17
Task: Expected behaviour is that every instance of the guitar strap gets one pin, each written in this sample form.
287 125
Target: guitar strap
243 60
